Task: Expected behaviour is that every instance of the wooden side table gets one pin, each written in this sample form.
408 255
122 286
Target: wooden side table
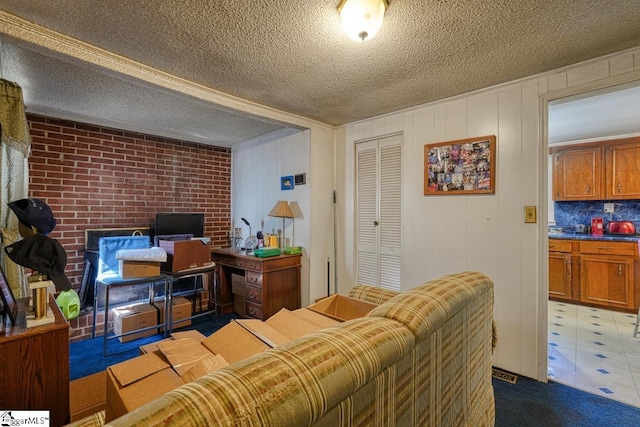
34 367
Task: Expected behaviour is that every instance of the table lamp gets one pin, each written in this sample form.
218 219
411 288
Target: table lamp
282 210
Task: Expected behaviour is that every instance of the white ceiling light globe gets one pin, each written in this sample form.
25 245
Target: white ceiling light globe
362 19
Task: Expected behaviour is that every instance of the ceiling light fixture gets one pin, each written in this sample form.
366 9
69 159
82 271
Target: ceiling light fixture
362 19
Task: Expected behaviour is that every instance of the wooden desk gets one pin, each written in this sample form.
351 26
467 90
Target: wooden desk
34 367
271 283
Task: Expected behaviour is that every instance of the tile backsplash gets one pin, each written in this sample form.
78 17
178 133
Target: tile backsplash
572 213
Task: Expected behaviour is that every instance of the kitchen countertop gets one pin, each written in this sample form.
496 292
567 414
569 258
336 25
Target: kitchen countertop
605 237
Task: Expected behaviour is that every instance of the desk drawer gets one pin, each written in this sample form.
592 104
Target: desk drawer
229 260
236 262
254 264
254 279
253 294
254 310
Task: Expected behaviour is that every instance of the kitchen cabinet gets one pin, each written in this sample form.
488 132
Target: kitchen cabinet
623 166
606 170
607 273
595 272
560 269
577 173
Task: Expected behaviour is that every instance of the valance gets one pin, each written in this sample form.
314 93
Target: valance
14 129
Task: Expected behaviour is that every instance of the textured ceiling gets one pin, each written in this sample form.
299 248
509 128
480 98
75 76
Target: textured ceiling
293 57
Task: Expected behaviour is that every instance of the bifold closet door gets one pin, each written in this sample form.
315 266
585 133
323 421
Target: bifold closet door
379 212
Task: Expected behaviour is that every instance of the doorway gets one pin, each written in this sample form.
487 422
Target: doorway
589 348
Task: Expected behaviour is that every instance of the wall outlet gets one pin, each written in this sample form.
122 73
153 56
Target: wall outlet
608 207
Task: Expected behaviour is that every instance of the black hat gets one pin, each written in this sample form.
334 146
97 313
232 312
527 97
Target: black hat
34 212
42 254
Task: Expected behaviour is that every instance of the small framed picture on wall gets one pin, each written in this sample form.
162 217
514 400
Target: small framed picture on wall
286 182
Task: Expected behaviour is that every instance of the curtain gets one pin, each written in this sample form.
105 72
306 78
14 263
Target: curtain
15 144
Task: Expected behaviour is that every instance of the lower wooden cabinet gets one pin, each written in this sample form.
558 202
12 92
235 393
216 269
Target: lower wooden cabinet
34 368
560 268
599 273
607 280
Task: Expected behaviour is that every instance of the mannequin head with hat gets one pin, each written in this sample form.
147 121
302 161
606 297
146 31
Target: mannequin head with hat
42 254
36 250
34 215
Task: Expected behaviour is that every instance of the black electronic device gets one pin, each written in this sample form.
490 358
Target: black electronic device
180 223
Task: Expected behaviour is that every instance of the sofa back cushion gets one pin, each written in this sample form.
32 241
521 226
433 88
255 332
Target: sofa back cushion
294 384
425 308
371 294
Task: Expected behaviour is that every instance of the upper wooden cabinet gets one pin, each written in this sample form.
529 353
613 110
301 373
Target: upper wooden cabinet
577 173
623 171
608 170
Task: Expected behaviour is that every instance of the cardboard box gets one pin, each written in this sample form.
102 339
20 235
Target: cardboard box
137 381
196 335
268 335
292 325
133 317
183 353
340 307
201 299
208 364
234 343
135 269
237 284
151 347
87 395
317 318
239 306
185 254
181 310
238 291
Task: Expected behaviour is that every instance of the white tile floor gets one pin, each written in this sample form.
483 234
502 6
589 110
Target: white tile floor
593 349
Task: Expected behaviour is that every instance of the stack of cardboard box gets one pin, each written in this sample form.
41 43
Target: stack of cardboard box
187 355
181 310
134 317
238 291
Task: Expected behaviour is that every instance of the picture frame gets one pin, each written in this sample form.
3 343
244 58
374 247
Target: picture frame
286 182
463 166
9 304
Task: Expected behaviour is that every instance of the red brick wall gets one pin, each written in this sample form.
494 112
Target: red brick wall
97 177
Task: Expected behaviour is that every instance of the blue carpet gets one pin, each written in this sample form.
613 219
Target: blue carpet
85 357
532 403
526 403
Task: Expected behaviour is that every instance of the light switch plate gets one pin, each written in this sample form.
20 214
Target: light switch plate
530 214
608 207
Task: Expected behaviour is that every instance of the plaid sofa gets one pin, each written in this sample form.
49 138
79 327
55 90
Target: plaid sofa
421 358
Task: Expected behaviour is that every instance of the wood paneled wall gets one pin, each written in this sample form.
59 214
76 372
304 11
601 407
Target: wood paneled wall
444 234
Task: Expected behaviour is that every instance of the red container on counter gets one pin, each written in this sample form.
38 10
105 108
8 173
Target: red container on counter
597 226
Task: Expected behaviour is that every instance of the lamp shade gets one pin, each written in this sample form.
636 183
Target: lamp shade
281 210
362 19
